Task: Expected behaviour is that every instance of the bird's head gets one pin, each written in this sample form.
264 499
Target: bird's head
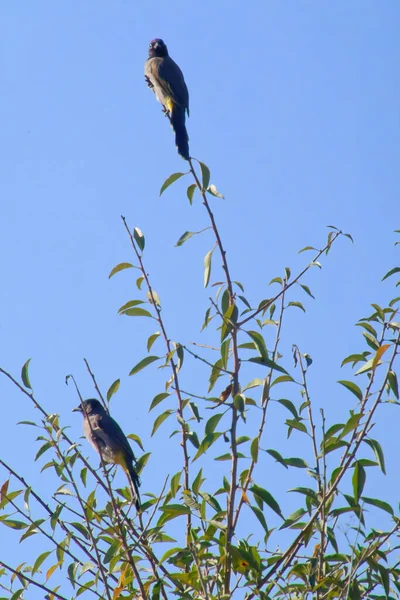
91 406
157 48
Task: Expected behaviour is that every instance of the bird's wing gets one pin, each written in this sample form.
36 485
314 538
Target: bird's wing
165 73
106 428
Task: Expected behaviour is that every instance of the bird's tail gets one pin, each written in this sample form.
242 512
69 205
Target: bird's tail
177 118
135 481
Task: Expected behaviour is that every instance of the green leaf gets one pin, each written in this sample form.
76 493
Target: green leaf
206 443
295 424
260 516
129 304
43 449
186 236
139 282
278 457
254 383
39 561
239 402
259 342
151 340
351 424
379 504
13 524
391 272
175 483
170 180
266 497
276 280
139 238
137 312
307 290
205 175
282 379
290 406
350 385
179 509
358 480
207 267
266 362
214 192
136 438
153 298
160 419
385 579
299 463
157 399
195 410
190 192
392 381
306 248
212 423
143 363
254 449
297 305
376 447
120 267
197 482
113 389
25 375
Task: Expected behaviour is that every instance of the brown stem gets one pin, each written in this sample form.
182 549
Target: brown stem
284 562
289 285
174 372
264 403
32 581
235 387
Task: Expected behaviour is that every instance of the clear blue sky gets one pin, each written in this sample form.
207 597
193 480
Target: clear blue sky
295 108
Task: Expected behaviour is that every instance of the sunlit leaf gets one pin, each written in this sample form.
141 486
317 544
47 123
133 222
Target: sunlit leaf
120 267
113 389
170 180
358 480
143 363
207 267
350 385
205 175
160 419
25 375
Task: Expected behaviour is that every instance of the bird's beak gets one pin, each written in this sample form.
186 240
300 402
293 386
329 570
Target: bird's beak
77 409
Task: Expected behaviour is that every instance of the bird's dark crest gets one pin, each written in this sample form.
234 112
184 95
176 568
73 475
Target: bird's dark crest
157 47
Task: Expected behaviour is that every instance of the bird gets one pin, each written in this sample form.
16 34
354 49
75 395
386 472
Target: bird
107 438
165 78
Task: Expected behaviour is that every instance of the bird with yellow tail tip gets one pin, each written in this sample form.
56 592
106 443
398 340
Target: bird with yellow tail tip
166 80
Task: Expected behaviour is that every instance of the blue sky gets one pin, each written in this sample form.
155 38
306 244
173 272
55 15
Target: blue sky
294 107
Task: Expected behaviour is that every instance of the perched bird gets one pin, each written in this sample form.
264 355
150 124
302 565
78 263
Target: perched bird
107 438
166 80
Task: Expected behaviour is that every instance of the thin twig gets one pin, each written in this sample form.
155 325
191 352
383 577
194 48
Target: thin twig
289 285
174 369
32 581
235 387
286 559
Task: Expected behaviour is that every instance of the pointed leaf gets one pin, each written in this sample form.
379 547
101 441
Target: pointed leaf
120 267
190 192
143 363
139 238
113 389
170 180
205 175
207 267
350 385
358 481
25 375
